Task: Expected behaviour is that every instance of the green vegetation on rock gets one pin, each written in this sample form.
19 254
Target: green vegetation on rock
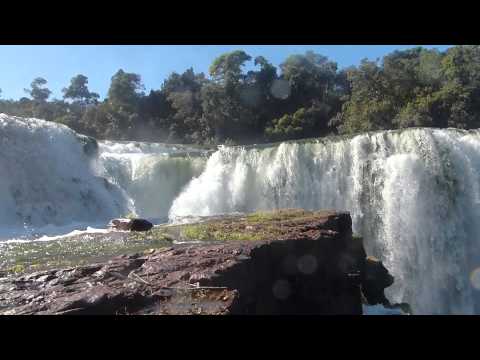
18 257
261 225
76 250
216 231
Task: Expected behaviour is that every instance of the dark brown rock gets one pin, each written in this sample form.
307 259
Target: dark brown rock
140 225
131 224
375 279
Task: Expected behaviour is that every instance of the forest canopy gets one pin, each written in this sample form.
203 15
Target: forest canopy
306 96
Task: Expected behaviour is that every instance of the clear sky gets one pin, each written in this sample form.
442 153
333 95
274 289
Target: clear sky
20 64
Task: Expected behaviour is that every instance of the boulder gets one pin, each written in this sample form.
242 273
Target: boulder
140 225
131 224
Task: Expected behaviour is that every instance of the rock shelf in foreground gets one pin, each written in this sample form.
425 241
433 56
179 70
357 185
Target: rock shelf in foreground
284 262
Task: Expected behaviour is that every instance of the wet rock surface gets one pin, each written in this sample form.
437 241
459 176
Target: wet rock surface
375 279
314 266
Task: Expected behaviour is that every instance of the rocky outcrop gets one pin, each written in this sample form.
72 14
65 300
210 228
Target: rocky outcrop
375 279
312 266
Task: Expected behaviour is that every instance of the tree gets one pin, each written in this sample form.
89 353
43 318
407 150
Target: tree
460 94
414 114
182 93
188 80
370 106
228 103
155 106
295 126
400 69
311 76
414 87
227 69
256 93
226 116
78 91
267 74
38 90
312 83
461 64
429 70
125 91
96 121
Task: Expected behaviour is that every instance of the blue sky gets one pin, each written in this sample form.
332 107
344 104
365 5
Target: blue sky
20 64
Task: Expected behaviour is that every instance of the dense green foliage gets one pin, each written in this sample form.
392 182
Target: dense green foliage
307 96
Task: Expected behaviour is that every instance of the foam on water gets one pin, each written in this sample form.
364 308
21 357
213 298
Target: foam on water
58 230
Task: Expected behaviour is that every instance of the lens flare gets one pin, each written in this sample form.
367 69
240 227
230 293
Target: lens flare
307 264
475 278
280 89
281 289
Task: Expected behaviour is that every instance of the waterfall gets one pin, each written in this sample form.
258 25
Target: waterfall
151 174
53 180
414 194
47 177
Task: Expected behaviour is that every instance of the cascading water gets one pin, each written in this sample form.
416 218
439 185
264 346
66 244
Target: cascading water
47 178
414 194
151 174
53 180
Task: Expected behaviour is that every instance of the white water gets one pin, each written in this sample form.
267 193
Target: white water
414 195
152 174
48 179
51 183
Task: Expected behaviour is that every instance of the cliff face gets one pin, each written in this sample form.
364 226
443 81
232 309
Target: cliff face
303 263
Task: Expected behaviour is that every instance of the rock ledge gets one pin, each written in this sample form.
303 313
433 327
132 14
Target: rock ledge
313 265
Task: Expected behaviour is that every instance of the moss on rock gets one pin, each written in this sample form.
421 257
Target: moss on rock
88 248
